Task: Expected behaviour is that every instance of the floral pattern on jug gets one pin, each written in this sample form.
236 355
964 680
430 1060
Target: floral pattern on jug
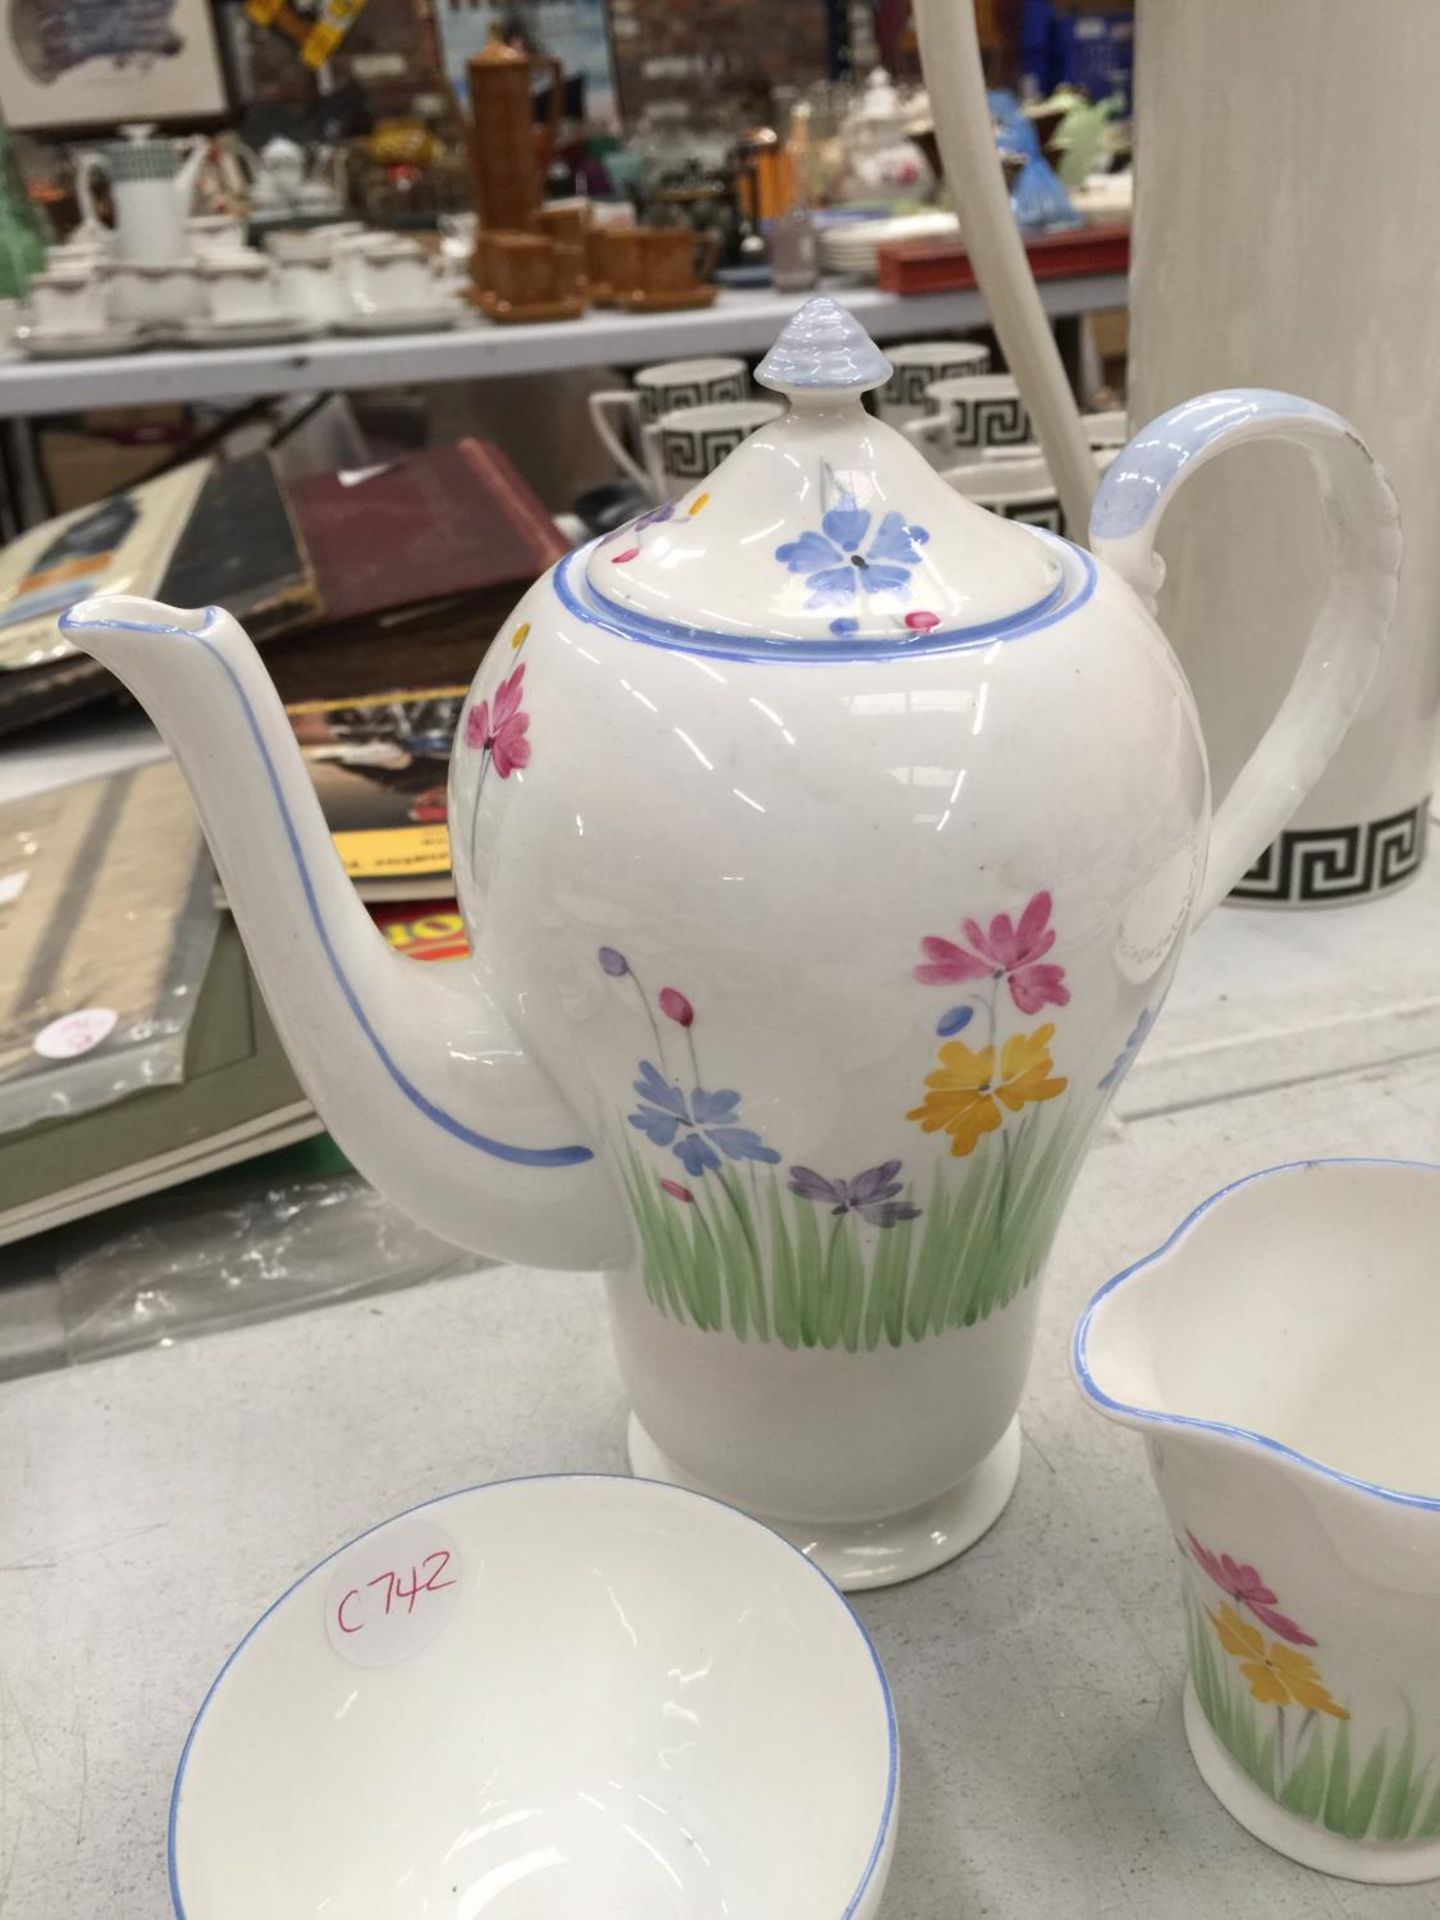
1268 1705
882 1255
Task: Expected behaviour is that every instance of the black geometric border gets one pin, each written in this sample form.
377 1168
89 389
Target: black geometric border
1313 864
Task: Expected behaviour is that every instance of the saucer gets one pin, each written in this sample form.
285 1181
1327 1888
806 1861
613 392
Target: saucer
402 320
284 327
121 336
552 1697
683 301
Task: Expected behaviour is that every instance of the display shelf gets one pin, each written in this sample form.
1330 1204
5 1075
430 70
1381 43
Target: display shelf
159 1501
739 322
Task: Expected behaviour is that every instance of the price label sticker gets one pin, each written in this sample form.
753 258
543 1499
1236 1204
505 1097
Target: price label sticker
75 1033
392 1593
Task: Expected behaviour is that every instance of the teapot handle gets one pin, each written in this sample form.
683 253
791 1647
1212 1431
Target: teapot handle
1348 638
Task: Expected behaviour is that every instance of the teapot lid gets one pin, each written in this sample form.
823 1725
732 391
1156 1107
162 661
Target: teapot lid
823 531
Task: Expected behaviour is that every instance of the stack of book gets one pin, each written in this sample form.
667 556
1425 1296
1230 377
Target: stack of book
135 1049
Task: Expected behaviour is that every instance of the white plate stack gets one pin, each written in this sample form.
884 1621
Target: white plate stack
853 248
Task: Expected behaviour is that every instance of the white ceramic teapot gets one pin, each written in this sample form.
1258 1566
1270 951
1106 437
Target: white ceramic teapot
152 185
883 162
826 846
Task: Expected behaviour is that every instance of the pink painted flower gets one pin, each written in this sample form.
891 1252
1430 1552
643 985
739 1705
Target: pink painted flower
619 559
1006 951
920 622
676 1007
501 731
677 1192
1247 1589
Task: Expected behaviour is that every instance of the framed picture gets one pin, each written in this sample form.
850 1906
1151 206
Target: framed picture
71 63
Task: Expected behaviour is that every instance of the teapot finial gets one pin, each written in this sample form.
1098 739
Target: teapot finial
824 348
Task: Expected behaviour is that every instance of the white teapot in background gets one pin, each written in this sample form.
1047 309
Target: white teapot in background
152 187
826 845
883 162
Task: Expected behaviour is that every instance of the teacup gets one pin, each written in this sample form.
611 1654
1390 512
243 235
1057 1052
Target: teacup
388 275
964 416
689 442
655 266
287 243
532 278
212 233
67 300
567 221
917 366
240 287
619 414
310 285
158 293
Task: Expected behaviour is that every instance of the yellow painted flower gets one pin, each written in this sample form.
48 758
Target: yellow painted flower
966 1094
519 637
700 501
1281 1677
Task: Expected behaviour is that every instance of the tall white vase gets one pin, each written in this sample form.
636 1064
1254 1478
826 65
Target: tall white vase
1287 171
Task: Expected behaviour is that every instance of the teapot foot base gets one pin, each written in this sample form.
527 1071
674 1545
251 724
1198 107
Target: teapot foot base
1377 1862
874 1553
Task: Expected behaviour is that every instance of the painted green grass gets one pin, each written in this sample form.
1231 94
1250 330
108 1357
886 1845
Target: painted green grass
748 1257
1384 1796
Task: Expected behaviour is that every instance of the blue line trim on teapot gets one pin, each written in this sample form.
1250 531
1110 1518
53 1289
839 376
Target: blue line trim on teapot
1079 1362
785 650
498 1149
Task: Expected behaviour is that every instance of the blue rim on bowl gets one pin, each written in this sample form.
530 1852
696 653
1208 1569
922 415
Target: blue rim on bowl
892 1771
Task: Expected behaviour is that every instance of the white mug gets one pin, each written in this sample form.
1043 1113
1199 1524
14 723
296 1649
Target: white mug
240 287
388 275
916 366
67 300
658 390
963 417
154 293
1015 482
310 286
688 443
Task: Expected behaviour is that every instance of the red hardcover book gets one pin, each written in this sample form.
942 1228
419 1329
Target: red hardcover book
447 521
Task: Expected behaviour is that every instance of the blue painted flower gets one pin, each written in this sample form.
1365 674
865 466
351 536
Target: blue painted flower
1125 1059
838 562
870 1194
697 1129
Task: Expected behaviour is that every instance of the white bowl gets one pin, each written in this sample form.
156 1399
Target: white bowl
592 1698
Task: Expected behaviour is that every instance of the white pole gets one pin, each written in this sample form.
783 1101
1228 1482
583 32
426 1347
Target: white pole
955 80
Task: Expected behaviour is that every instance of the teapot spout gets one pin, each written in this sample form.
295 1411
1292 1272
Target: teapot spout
416 1071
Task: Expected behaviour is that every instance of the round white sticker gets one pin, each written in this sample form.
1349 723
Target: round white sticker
392 1593
75 1033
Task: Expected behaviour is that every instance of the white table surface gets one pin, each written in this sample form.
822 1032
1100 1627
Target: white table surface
155 1503
738 322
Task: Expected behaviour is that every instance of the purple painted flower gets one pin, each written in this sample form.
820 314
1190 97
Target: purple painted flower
838 563
613 962
697 1128
676 1007
954 1020
870 1194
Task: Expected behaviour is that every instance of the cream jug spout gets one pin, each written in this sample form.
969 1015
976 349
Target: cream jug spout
420 1076
1279 1353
